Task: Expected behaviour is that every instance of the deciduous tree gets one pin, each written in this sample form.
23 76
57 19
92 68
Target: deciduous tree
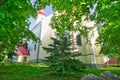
104 12
14 24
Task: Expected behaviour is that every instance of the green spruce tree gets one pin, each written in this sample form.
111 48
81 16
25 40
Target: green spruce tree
61 58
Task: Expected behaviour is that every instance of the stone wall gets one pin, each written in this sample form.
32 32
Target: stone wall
107 75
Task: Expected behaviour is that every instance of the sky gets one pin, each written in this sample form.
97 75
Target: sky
48 10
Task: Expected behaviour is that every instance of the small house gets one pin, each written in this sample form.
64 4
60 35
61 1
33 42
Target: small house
23 54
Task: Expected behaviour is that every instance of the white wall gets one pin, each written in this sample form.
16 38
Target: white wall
44 32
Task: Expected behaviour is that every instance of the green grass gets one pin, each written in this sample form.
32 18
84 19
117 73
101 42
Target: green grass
38 71
30 71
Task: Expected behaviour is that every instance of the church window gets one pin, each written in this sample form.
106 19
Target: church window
78 40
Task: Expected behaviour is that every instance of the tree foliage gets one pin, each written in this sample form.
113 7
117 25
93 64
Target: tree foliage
14 20
69 16
109 18
104 12
107 15
14 24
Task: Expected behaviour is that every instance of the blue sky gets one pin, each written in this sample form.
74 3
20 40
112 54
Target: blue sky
48 10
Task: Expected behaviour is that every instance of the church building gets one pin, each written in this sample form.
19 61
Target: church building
42 29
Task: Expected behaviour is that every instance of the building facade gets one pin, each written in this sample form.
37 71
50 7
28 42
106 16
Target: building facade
89 51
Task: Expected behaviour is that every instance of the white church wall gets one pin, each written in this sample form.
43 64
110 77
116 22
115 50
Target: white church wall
47 32
32 45
44 32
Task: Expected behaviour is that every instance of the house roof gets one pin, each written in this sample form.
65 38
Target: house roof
42 12
112 61
22 50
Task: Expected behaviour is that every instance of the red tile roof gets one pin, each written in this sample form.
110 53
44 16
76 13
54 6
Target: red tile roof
42 12
22 51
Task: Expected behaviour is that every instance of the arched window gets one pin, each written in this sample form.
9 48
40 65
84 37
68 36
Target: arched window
78 40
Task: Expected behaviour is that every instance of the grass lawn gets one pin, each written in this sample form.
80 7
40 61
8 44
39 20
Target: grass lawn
38 71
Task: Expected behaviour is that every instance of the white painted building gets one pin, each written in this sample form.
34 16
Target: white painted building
90 51
43 31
